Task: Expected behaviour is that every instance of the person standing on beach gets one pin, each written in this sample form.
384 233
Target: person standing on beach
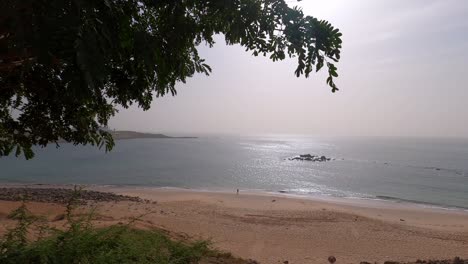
237 192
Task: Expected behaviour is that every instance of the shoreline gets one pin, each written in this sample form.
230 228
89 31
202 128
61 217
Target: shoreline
390 202
372 208
353 201
273 228
409 214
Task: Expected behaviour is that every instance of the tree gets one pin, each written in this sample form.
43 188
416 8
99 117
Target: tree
65 65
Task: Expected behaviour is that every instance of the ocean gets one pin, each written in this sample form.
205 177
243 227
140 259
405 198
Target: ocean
432 172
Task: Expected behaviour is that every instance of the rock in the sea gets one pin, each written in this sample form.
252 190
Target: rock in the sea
309 157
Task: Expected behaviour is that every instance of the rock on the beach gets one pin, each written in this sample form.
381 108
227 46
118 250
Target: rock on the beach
59 195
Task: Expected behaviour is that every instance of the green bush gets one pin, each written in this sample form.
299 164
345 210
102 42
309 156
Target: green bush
115 244
82 243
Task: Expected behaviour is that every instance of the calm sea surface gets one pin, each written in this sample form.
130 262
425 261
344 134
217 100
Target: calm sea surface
426 171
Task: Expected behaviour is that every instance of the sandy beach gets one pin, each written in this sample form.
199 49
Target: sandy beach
274 228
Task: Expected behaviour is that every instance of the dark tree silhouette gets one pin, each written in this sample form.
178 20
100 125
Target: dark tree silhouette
66 64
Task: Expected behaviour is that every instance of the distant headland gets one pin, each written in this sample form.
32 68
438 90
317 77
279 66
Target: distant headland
125 134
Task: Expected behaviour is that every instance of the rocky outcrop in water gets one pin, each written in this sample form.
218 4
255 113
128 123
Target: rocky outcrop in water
309 157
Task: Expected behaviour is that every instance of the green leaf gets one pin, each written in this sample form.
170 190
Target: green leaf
85 58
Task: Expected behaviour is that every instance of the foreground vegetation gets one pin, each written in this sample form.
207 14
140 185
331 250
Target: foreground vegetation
33 241
116 244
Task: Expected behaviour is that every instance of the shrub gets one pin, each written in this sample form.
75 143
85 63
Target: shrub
82 243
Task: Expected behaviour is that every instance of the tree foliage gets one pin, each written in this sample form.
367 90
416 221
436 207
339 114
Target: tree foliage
65 65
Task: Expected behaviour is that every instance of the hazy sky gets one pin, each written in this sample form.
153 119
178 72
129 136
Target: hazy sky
404 72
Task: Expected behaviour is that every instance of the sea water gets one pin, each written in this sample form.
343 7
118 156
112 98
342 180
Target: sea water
431 171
